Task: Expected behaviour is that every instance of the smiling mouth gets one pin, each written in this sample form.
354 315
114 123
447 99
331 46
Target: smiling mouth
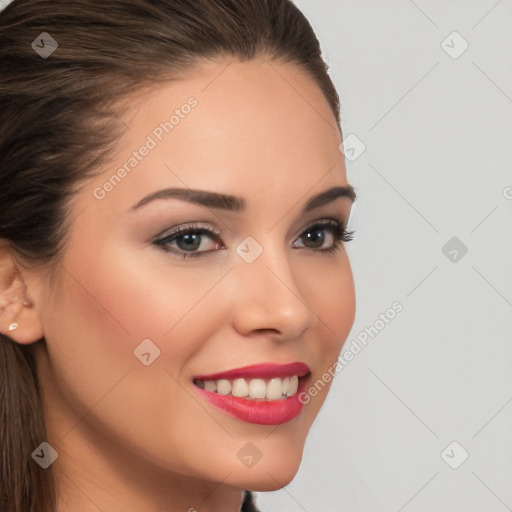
253 389
267 381
264 394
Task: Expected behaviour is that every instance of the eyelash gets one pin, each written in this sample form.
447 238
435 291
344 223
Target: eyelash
340 234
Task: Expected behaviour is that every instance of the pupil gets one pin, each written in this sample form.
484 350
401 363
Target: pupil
189 242
316 237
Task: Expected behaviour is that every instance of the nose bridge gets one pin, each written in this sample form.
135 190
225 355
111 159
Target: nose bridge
268 295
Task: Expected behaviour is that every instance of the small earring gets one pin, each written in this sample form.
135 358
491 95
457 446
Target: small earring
13 326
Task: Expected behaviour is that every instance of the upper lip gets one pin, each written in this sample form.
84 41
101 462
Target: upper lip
264 370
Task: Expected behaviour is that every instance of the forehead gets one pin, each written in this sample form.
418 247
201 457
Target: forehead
229 126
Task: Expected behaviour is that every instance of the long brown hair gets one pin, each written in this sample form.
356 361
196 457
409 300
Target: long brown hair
60 121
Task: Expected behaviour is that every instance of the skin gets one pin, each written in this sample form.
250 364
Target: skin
135 437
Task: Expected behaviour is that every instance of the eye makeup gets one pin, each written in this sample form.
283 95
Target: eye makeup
185 240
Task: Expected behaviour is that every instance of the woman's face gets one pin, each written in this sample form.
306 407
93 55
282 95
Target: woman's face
134 327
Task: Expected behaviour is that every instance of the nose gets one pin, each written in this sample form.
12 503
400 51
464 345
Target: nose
269 300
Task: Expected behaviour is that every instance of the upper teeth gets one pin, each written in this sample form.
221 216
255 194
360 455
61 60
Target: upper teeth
272 389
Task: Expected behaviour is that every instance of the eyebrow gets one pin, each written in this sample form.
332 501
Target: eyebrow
233 203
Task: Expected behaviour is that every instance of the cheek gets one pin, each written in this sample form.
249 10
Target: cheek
134 295
333 300
110 300
332 297
105 307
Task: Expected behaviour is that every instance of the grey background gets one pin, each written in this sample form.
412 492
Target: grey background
437 164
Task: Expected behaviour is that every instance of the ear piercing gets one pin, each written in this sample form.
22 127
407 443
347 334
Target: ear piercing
15 324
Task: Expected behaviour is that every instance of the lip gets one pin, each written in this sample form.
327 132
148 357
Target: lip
259 411
262 371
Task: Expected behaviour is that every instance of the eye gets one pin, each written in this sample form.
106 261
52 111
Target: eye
193 240
325 236
190 241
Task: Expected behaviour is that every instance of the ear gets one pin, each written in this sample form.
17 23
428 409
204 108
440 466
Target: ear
15 306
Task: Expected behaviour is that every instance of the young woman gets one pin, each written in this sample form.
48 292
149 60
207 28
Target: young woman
174 286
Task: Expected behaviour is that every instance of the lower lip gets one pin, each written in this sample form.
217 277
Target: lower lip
260 412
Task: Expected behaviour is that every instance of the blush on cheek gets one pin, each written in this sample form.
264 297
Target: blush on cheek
107 295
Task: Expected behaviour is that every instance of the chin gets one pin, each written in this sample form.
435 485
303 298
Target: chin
274 473
272 482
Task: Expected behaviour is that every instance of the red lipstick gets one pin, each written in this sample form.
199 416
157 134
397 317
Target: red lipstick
259 371
261 411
